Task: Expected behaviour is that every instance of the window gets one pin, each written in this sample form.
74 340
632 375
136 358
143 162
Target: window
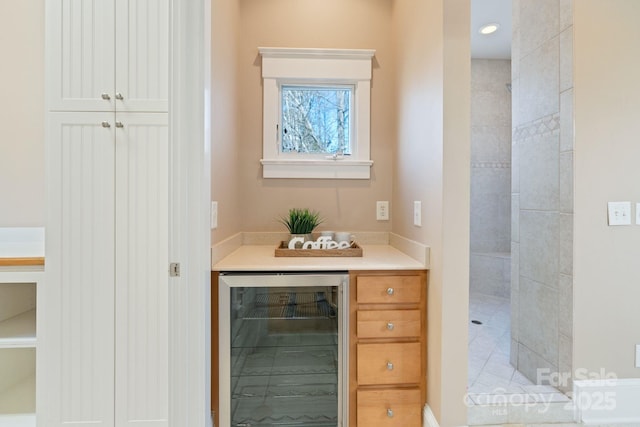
316 113
315 120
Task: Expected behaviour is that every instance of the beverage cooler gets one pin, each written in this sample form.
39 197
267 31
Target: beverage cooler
283 349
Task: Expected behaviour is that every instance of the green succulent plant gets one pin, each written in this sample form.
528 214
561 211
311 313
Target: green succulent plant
301 221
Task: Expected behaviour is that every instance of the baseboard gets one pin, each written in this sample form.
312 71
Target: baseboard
607 401
428 417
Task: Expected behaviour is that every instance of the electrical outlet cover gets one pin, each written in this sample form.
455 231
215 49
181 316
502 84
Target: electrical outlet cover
382 210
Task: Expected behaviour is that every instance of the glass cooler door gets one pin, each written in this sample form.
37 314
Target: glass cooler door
285 342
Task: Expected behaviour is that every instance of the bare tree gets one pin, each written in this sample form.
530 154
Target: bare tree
315 120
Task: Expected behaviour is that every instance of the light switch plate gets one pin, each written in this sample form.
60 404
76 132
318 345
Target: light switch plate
214 215
638 213
637 355
619 213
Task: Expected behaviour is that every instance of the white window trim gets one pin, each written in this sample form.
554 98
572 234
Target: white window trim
316 66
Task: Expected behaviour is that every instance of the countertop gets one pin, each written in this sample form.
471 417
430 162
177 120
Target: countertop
262 258
21 246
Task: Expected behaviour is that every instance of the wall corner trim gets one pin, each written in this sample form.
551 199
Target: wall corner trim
429 418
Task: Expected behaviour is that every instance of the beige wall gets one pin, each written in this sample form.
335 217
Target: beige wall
224 118
607 149
22 113
345 204
431 39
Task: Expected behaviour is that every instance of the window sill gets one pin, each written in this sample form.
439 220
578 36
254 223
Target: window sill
317 169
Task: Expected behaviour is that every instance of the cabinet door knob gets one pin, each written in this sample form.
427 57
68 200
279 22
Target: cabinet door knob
119 125
119 96
106 124
390 326
105 96
390 291
389 366
390 413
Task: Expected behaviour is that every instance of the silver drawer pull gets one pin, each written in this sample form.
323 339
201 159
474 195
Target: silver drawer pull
390 291
106 124
119 96
119 125
390 413
389 366
105 96
390 326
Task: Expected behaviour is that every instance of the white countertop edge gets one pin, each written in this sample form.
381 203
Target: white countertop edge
21 242
255 251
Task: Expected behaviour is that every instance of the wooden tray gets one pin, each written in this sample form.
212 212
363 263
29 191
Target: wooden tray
284 251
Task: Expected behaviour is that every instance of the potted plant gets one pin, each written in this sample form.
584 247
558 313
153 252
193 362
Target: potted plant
301 222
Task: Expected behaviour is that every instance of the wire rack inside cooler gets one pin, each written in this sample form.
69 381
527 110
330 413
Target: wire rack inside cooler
291 305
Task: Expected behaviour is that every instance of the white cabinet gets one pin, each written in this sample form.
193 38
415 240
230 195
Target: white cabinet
106 327
104 334
108 55
141 270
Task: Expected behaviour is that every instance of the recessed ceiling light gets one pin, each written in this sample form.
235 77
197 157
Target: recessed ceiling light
489 28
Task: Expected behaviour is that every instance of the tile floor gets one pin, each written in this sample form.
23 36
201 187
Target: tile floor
497 393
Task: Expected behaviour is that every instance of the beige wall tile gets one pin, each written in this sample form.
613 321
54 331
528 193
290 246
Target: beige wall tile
566 59
539 172
566 121
538 319
539 82
565 237
539 22
565 305
566 182
539 248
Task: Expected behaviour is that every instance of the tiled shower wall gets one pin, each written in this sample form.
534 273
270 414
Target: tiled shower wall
542 188
489 270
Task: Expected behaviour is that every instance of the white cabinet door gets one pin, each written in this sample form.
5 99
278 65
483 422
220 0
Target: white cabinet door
141 265
108 55
142 55
76 332
80 55
106 314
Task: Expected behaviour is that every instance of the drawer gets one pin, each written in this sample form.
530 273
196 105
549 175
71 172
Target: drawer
389 408
397 363
388 323
388 289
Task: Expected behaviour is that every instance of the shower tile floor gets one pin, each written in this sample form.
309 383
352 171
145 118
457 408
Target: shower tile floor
497 392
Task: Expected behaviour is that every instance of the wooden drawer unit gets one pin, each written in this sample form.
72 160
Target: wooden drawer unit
388 289
388 323
397 363
387 372
389 408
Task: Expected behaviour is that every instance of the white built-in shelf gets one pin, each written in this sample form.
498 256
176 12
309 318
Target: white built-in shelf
21 242
19 331
17 402
21 269
18 420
